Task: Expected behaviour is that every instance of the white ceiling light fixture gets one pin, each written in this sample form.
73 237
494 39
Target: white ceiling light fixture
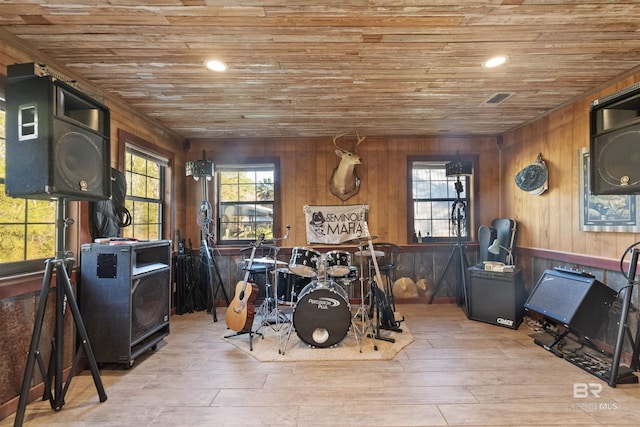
216 65
496 61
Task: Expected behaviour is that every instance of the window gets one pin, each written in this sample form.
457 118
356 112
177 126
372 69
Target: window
27 226
145 188
246 201
440 204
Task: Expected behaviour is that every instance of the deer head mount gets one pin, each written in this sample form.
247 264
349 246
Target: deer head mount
344 181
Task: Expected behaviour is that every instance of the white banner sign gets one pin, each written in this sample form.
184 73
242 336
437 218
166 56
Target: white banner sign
335 224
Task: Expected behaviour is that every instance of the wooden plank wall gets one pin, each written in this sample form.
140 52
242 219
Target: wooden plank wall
307 165
551 221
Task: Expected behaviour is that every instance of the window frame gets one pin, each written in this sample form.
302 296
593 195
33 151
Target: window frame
256 161
470 188
125 140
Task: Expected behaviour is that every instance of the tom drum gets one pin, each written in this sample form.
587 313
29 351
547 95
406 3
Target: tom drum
304 261
338 263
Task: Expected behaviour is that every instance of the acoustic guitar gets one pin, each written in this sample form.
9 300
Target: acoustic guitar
241 310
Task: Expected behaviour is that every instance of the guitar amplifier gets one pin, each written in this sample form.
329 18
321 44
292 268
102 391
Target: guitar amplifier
496 298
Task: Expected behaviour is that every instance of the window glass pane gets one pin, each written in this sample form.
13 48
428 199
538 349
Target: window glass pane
40 241
246 199
435 212
12 243
145 182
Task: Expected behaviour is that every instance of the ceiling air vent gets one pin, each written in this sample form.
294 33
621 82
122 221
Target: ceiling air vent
497 98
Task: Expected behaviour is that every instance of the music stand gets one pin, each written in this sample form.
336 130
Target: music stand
61 265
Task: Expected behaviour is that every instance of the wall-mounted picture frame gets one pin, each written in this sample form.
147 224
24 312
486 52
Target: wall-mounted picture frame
604 213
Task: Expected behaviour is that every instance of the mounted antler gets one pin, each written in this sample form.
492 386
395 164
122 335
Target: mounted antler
344 181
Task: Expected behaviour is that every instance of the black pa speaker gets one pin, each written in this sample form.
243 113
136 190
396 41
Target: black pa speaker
125 297
614 129
57 142
615 162
575 300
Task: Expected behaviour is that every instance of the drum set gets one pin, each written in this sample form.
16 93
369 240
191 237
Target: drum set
315 285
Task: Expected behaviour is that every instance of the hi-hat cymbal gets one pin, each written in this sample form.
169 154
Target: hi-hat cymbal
361 239
378 254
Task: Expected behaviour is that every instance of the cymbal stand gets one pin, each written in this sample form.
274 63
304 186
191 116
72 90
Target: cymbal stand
269 309
365 328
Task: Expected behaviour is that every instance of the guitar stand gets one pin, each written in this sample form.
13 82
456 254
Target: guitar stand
64 296
251 333
377 304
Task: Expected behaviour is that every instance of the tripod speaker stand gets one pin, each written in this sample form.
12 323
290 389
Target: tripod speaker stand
457 256
61 265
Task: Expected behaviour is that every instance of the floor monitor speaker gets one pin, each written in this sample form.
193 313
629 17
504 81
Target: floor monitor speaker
57 142
575 300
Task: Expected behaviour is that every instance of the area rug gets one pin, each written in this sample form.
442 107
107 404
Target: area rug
281 343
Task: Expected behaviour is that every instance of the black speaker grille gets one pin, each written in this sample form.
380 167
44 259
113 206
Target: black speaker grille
616 160
81 163
150 304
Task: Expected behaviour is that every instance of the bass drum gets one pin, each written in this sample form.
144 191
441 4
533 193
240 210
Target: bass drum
322 316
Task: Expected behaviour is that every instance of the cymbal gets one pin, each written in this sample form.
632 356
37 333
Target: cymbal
378 254
265 260
361 239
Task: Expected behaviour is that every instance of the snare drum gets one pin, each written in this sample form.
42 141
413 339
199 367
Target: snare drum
338 263
322 315
304 261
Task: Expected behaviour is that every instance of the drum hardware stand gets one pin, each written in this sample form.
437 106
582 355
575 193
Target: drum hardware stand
366 329
283 343
458 255
269 311
64 296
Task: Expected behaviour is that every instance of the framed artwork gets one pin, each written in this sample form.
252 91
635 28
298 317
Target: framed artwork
608 213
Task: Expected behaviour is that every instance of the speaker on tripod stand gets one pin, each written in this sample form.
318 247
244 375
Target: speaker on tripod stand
57 147
459 223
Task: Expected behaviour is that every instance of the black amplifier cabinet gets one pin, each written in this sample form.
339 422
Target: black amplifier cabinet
496 298
124 297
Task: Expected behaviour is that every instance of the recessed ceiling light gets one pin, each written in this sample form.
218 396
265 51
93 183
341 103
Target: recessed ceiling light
215 65
496 61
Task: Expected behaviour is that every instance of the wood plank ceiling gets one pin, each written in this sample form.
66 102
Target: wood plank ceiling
305 69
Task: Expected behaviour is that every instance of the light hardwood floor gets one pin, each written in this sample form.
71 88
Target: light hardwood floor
457 372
